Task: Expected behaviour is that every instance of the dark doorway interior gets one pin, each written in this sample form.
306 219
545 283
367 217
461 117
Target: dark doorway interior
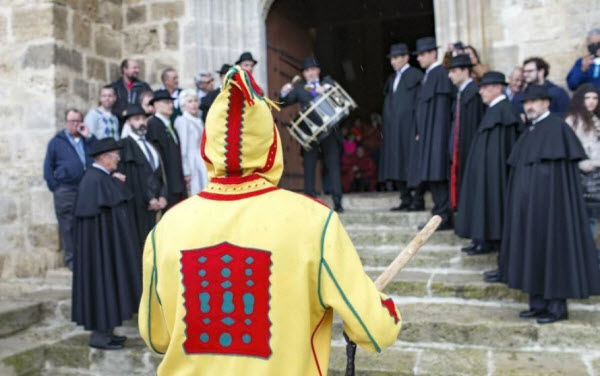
351 39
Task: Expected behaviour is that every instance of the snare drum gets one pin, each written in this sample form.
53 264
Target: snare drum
316 121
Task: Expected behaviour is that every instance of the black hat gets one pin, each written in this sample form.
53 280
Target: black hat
105 145
309 62
224 69
425 44
159 95
493 78
398 49
246 56
533 92
133 109
461 61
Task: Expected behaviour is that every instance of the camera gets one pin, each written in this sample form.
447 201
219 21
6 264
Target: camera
593 48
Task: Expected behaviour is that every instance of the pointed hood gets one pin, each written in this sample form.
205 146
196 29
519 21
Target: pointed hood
240 137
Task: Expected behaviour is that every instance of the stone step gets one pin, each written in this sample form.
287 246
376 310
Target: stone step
395 219
382 235
371 201
16 316
458 322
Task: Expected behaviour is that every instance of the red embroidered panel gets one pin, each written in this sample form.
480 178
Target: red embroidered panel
227 300
391 307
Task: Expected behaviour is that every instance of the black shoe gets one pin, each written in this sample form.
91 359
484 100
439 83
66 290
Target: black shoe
112 345
491 273
447 225
493 278
416 207
338 208
468 248
404 206
480 249
531 313
549 318
118 339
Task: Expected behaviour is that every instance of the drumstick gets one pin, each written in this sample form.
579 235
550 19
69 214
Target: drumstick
408 253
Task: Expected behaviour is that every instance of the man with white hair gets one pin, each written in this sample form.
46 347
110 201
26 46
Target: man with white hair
204 83
515 83
587 68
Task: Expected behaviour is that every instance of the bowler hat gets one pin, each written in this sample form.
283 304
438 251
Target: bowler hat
533 92
160 95
398 49
224 69
309 62
493 78
246 56
105 145
425 44
461 61
132 110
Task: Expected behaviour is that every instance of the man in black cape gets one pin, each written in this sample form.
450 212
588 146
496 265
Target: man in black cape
107 270
163 135
303 93
468 110
140 162
429 161
547 250
480 209
400 91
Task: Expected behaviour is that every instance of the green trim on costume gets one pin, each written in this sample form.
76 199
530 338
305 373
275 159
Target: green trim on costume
322 259
351 307
152 275
154 270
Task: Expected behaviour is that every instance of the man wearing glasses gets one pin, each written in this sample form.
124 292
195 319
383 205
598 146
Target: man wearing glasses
67 158
204 84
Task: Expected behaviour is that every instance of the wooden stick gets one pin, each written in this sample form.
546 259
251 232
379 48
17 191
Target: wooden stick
408 253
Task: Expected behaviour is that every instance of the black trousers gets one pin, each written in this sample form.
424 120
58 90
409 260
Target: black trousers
173 199
330 149
64 204
441 198
406 197
556 307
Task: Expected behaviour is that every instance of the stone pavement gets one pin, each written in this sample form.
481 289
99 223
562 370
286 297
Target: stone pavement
454 323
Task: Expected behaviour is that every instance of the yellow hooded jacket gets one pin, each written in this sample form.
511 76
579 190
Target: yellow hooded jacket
243 278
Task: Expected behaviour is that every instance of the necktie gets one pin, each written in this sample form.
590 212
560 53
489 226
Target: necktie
455 157
397 80
148 153
172 132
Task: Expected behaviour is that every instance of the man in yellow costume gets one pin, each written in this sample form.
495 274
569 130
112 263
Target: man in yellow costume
243 278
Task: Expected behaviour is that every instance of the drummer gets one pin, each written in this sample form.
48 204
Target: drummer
329 148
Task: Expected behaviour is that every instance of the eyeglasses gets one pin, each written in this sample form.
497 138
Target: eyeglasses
207 82
529 70
115 155
74 121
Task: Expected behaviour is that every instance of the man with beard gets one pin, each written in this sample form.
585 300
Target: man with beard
128 88
400 92
429 158
468 111
106 274
140 162
547 251
482 193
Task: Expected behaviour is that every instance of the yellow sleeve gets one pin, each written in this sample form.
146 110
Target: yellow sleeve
370 318
151 321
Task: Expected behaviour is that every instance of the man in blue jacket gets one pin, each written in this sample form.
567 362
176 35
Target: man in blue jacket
587 69
67 158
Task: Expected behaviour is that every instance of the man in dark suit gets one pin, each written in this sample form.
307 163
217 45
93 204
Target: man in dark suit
162 134
209 98
140 162
128 88
246 61
330 145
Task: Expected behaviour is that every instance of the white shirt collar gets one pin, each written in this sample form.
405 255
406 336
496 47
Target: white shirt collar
162 118
541 117
432 66
597 60
404 68
101 168
497 100
464 85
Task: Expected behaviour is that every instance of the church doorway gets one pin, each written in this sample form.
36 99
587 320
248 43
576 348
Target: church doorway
350 39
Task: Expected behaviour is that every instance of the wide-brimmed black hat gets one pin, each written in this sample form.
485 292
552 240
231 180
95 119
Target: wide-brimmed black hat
398 49
105 145
224 69
460 61
159 95
132 110
309 62
533 92
425 44
493 78
246 56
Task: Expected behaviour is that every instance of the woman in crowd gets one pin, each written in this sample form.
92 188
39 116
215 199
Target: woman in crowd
189 128
584 117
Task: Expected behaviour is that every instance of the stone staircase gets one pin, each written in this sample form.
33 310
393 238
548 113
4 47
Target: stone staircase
454 323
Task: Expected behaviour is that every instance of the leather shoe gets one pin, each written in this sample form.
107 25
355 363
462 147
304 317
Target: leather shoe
549 318
112 345
468 248
494 278
480 249
447 225
416 207
531 313
405 206
118 339
338 208
490 273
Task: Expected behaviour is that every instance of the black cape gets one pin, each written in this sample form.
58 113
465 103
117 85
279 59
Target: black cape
171 157
471 113
145 183
429 155
107 272
547 247
398 124
480 211
207 101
